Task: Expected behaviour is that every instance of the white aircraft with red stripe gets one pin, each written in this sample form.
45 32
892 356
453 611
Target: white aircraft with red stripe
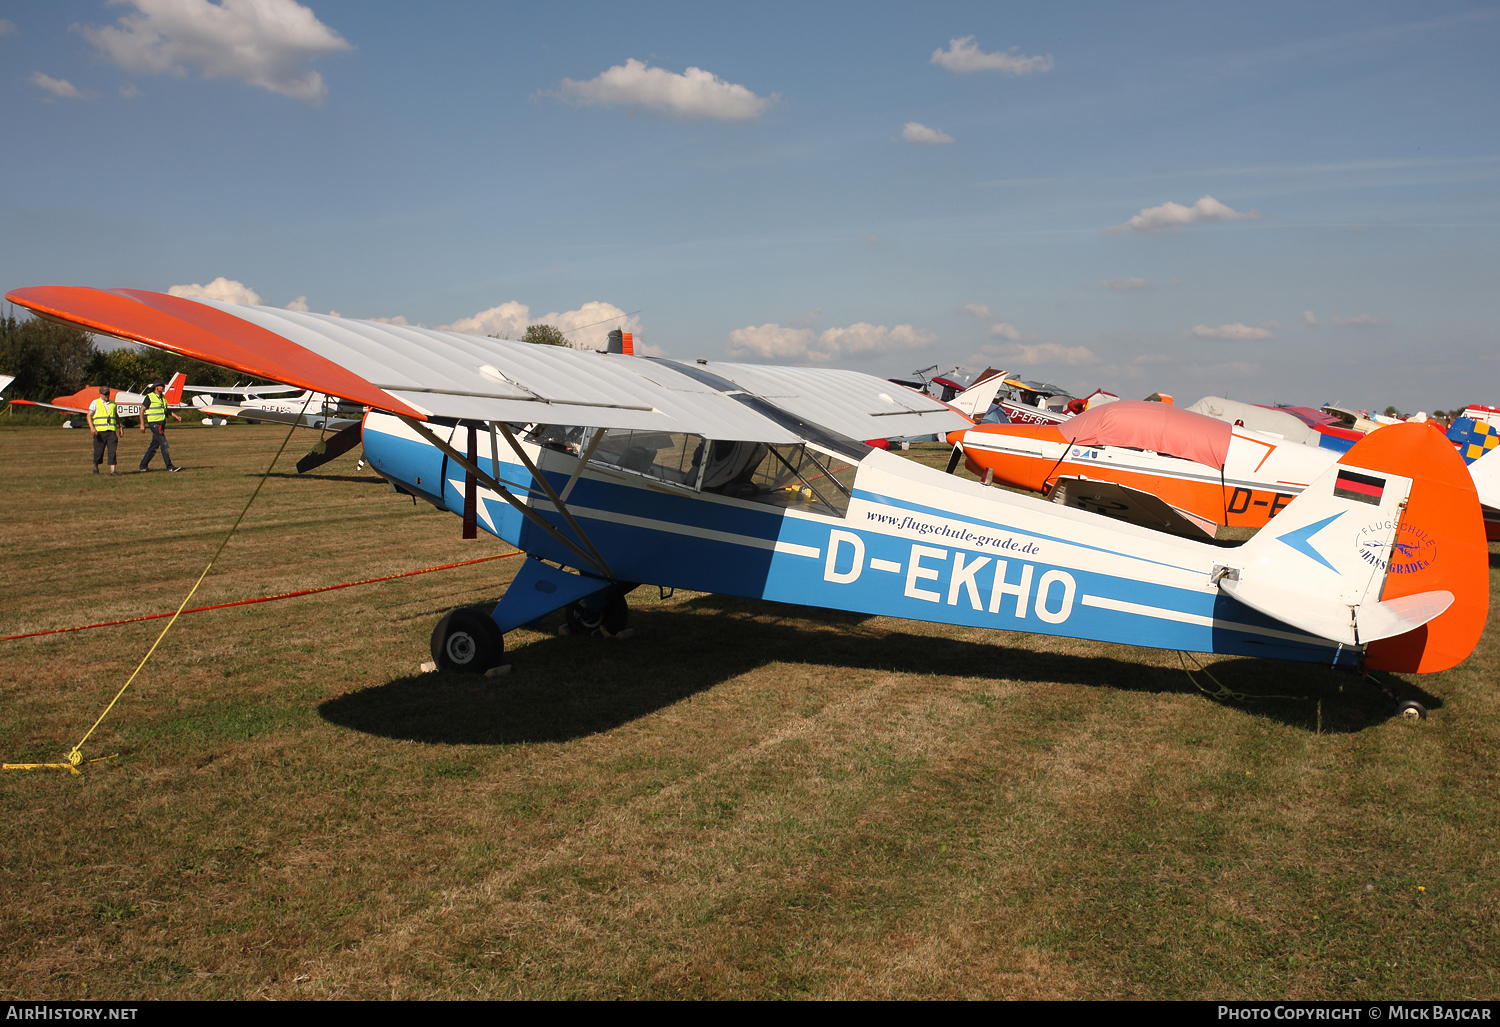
612 471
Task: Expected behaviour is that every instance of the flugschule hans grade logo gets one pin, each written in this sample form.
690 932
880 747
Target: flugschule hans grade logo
1413 549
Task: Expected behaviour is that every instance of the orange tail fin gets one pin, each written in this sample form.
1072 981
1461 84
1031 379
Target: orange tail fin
1439 545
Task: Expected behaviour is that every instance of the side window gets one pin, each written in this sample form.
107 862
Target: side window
672 457
786 476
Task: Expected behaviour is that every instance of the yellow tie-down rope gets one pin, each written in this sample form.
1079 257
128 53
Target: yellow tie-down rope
75 755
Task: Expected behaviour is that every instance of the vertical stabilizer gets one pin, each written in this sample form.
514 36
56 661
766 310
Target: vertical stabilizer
1386 549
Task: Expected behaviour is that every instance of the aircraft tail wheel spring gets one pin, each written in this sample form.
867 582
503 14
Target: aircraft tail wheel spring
610 620
1411 711
467 640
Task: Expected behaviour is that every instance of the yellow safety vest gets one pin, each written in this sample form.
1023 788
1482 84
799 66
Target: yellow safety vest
156 408
102 412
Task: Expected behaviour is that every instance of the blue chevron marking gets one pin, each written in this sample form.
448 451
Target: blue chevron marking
1298 539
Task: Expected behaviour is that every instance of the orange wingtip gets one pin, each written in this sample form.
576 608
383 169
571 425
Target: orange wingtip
1439 545
204 333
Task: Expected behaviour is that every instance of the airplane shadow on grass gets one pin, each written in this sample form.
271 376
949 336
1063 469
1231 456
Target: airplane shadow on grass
564 688
358 479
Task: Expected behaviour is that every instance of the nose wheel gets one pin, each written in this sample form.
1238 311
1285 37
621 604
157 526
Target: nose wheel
468 641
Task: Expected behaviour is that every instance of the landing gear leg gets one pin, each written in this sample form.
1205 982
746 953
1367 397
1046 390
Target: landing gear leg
1408 709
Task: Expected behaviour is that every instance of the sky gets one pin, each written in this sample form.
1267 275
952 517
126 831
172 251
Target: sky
1289 203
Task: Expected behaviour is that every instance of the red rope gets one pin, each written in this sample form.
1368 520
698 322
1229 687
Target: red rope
263 599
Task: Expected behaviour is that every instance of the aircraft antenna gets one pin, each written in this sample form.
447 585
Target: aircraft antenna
605 321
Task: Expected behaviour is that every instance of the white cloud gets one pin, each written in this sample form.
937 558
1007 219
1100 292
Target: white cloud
263 42
59 87
508 321
588 327
129 91
6 27
1358 321
803 320
1030 354
1310 317
225 290
976 310
963 55
773 342
299 305
770 341
1170 217
1005 330
915 132
399 319
1128 284
695 95
1236 332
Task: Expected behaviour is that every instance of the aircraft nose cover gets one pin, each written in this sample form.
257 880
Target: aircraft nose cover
1163 429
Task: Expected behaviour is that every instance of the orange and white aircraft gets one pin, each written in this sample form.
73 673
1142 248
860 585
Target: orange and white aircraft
1148 463
127 404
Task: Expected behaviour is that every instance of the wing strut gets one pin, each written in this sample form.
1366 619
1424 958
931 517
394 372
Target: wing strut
541 480
504 493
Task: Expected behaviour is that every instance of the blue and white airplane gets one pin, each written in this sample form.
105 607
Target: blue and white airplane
611 471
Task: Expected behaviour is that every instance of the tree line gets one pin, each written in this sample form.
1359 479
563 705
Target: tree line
50 360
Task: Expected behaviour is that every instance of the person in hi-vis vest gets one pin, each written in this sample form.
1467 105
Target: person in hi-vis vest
104 423
154 416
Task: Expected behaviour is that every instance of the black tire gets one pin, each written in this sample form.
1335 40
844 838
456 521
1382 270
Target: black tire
467 641
610 620
1411 711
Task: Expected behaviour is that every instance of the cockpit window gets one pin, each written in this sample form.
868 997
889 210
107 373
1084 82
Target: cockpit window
673 457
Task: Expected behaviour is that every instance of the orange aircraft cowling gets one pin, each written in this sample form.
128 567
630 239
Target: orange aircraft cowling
1021 471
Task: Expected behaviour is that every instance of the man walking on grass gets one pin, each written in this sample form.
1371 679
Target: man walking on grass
104 424
154 414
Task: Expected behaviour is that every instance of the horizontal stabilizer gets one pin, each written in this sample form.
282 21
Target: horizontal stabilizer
1123 503
1331 619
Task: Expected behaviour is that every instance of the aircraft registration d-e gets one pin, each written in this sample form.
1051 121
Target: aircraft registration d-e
612 470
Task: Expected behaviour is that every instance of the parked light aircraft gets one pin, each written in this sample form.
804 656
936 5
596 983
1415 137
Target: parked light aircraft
611 470
1149 463
305 408
127 404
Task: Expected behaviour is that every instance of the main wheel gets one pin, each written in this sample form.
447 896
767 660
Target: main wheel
467 640
1412 711
610 620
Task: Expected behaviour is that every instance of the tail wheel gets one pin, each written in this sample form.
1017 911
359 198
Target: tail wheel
608 620
468 641
1411 711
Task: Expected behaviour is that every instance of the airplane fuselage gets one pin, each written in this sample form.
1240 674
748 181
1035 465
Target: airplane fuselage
912 542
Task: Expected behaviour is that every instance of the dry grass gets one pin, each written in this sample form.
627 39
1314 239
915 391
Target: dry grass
747 799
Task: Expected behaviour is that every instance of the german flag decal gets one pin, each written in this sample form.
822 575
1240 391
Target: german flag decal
1362 488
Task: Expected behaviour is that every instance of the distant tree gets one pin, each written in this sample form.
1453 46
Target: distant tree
51 360
1391 412
47 359
545 335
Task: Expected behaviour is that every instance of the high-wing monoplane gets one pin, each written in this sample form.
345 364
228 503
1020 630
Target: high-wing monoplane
611 470
127 404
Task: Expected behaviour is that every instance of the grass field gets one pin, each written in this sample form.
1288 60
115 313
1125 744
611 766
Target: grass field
744 800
